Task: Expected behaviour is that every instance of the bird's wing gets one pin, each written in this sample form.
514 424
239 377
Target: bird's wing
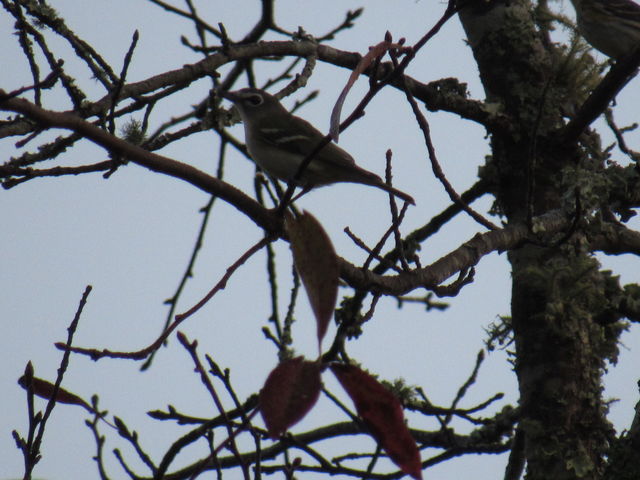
302 138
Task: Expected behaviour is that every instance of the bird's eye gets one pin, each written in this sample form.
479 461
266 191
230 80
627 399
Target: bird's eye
254 100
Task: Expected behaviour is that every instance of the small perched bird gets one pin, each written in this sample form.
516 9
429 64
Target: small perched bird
279 141
611 26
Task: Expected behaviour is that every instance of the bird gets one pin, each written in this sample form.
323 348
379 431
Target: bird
279 141
610 26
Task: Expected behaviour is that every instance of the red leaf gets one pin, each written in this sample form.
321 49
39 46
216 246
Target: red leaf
382 412
291 390
317 263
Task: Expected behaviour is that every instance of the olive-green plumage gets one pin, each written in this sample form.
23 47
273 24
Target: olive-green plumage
279 141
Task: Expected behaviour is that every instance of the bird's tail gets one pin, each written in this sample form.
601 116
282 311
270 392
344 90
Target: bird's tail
398 193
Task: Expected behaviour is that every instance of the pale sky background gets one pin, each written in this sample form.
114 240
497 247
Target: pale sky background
131 237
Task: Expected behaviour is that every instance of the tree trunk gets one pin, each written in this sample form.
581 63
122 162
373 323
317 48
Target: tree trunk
557 290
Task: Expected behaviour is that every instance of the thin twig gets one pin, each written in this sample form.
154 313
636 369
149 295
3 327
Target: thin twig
462 391
121 81
223 282
145 352
435 165
191 347
32 446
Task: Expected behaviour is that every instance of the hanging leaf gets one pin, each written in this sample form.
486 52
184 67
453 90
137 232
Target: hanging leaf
374 54
317 264
382 412
44 389
291 390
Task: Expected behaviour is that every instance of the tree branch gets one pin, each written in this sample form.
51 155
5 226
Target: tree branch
433 94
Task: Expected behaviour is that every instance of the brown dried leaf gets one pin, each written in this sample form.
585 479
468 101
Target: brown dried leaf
44 389
317 263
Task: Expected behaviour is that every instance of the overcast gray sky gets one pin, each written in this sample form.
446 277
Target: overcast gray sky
131 236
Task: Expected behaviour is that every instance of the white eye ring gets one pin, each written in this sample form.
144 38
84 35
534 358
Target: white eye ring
254 100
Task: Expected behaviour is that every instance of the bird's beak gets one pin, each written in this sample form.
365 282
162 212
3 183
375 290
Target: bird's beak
229 95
